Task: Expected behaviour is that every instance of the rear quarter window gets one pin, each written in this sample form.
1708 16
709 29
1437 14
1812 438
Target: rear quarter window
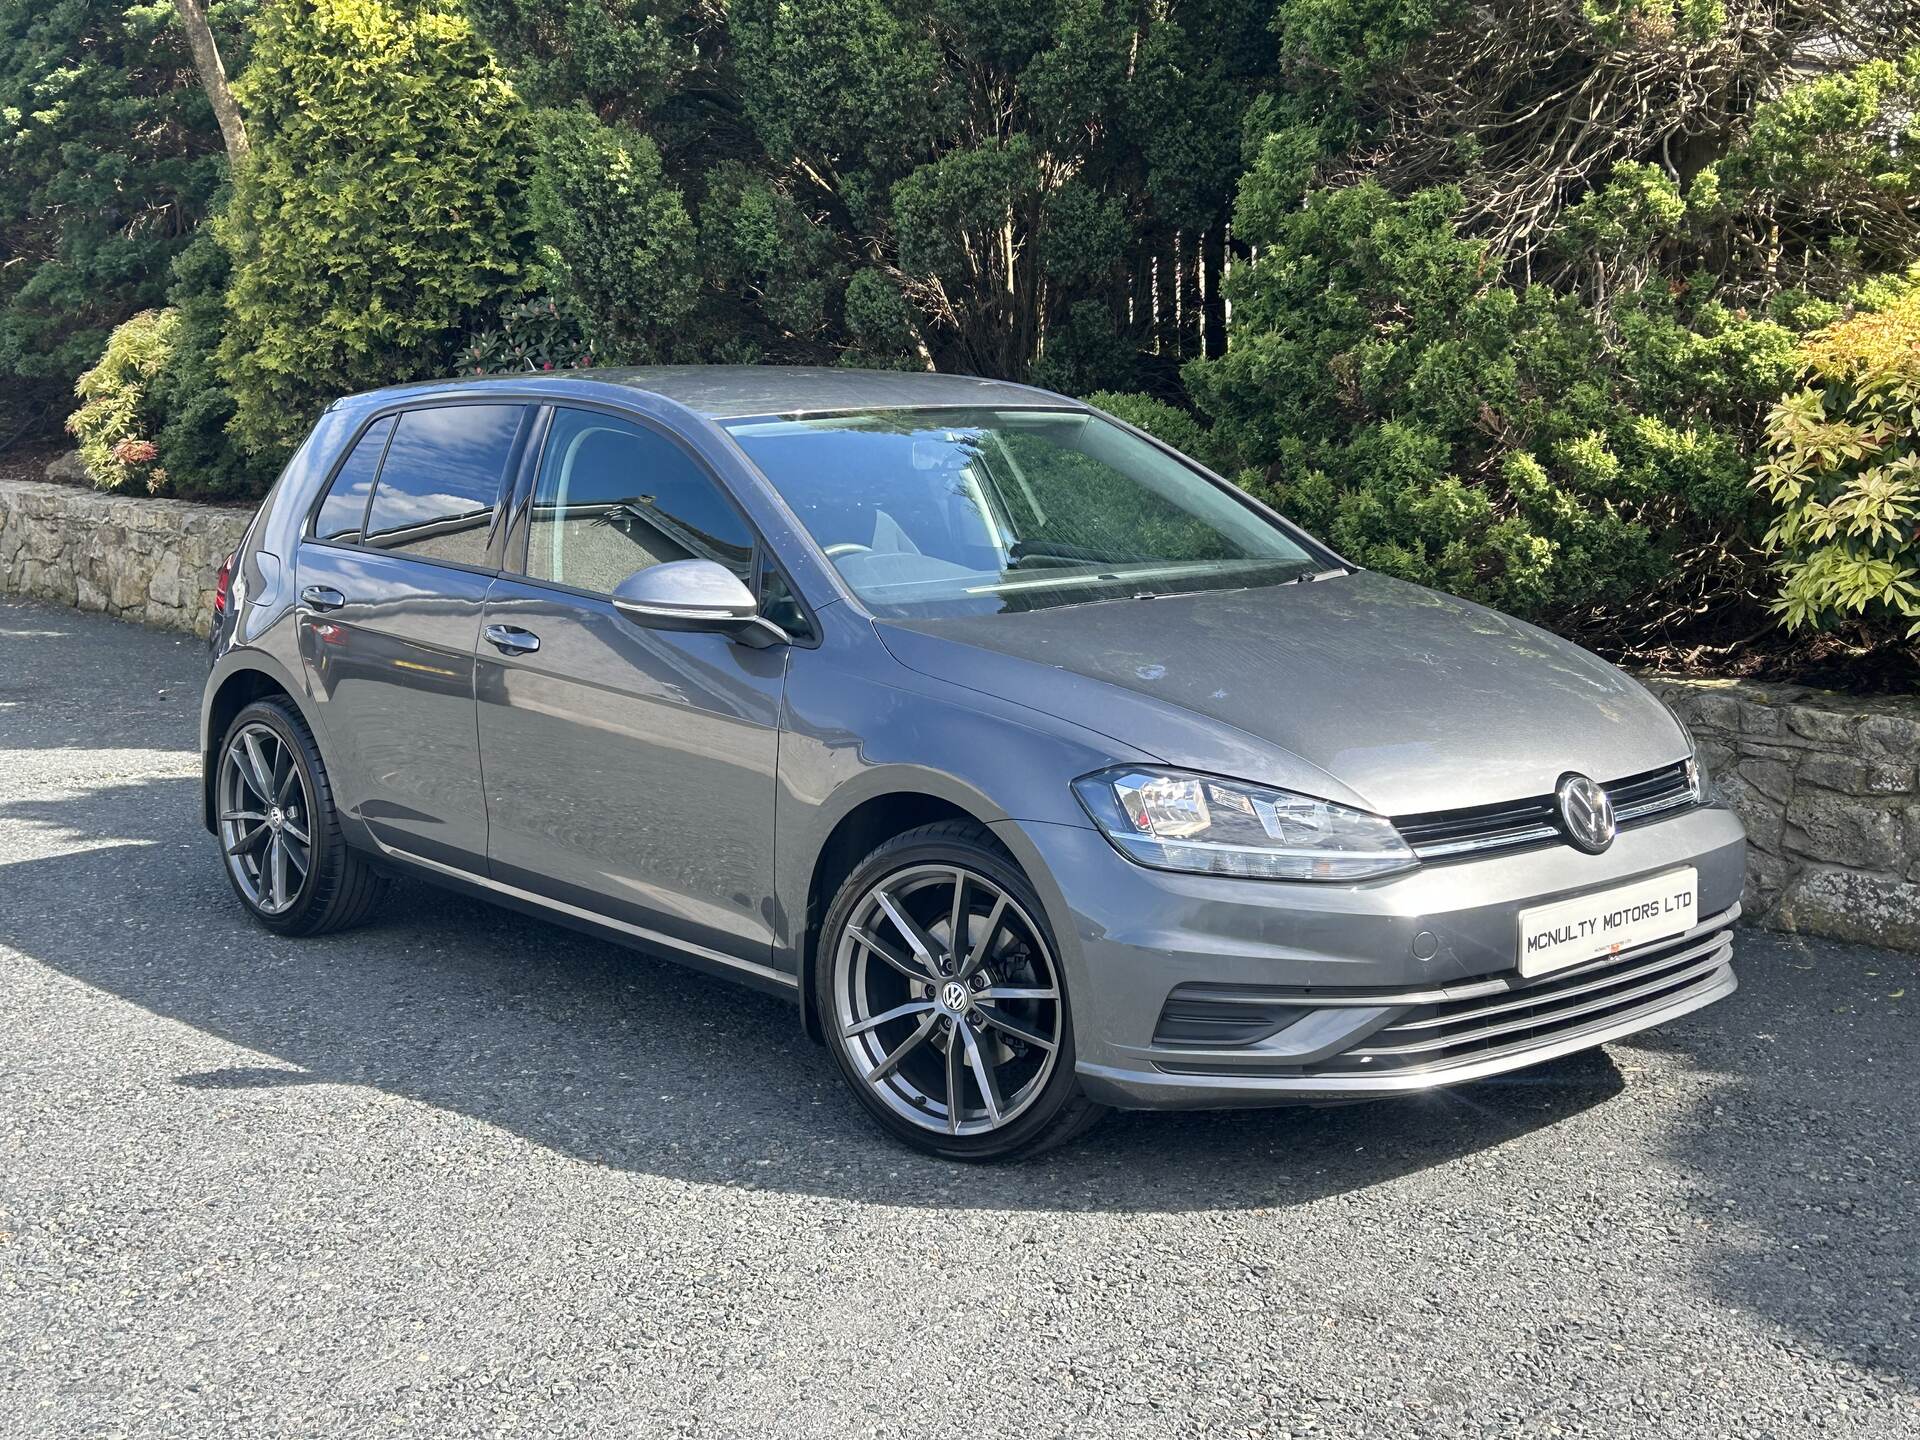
345 507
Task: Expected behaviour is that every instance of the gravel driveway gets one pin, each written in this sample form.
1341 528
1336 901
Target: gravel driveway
462 1173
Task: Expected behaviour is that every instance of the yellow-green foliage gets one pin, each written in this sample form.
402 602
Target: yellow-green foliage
382 211
115 424
1845 473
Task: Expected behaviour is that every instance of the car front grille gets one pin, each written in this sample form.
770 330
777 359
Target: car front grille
1495 1018
1514 824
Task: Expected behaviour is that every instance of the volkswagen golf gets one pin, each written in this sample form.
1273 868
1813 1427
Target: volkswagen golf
1041 769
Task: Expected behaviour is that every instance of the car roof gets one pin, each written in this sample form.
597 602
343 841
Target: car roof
730 392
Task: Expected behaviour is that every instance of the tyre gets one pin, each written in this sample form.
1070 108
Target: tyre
962 1050
279 833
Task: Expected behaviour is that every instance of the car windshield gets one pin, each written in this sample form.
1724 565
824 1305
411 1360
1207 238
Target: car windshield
944 512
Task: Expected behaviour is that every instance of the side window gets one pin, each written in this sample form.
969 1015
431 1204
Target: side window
441 481
346 503
614 497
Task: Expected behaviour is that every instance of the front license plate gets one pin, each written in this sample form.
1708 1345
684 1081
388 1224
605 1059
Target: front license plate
1567 932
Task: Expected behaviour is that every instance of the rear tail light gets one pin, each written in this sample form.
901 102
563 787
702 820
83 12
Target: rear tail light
223 584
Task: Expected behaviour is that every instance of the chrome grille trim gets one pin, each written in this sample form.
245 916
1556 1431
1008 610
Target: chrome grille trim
1478 1021
1502 982
1662 977
1511 825
1526 1001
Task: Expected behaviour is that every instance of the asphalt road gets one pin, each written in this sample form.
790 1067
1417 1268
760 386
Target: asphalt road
461 1173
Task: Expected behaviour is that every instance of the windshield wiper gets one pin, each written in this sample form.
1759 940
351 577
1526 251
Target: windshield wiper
1061 552
1312 575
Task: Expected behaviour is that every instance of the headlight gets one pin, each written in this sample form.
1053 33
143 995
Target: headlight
1174 821
1699 782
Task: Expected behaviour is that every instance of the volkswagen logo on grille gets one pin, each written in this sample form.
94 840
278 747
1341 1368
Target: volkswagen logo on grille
1586 814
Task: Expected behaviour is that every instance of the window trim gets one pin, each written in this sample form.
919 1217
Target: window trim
310 530
518 543
530 409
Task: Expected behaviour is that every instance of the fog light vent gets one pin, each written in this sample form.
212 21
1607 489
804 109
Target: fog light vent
1221 1017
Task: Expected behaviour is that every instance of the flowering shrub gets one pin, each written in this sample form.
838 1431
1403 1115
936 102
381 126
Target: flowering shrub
117 413
1845 473
531 335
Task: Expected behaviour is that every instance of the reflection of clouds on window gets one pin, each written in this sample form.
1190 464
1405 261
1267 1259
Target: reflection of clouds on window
396 511
441 480
346 501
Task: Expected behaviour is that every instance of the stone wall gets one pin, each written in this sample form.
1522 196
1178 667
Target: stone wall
1827 786
140 559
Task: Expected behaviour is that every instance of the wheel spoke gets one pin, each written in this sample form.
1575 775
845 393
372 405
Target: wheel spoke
911 930
1019 1029
978 956
255 771
983 1073
297 851
899 1012
1015 992
249 840
900 1052
294 832
252 817
277 862
892 956
957 920
289 781
956 1079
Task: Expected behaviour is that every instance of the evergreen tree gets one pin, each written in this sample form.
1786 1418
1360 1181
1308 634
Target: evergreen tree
383 209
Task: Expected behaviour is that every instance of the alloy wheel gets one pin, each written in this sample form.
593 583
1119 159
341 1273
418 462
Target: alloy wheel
947 999
266 818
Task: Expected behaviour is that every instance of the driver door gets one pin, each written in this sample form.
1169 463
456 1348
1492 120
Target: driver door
628 772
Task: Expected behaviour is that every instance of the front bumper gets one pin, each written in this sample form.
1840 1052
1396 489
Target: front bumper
1193 990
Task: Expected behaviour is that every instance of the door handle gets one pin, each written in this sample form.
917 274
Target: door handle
512 640
322 597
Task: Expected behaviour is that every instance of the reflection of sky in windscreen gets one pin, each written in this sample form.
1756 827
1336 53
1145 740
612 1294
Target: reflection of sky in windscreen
443 463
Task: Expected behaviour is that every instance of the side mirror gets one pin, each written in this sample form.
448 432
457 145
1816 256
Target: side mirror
696 595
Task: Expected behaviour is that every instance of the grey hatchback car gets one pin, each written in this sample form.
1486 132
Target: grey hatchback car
1041 769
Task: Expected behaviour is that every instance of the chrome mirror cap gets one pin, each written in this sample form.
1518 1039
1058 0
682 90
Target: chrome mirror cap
695 595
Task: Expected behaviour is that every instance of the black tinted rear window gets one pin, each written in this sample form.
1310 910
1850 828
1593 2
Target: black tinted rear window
441 480
346 503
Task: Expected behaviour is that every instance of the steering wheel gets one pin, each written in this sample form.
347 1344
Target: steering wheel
847 547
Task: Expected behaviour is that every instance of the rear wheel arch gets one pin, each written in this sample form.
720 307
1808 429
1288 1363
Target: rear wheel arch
239 688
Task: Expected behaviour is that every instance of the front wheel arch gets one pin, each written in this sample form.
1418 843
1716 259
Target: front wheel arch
857 834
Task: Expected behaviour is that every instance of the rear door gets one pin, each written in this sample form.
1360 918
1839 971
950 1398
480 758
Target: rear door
391 578
629 772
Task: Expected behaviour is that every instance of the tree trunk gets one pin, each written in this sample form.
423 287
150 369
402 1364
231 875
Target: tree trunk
213 77
1213 275
1192 304
1166 298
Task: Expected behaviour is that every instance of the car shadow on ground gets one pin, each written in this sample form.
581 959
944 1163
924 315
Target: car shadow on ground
622 1059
